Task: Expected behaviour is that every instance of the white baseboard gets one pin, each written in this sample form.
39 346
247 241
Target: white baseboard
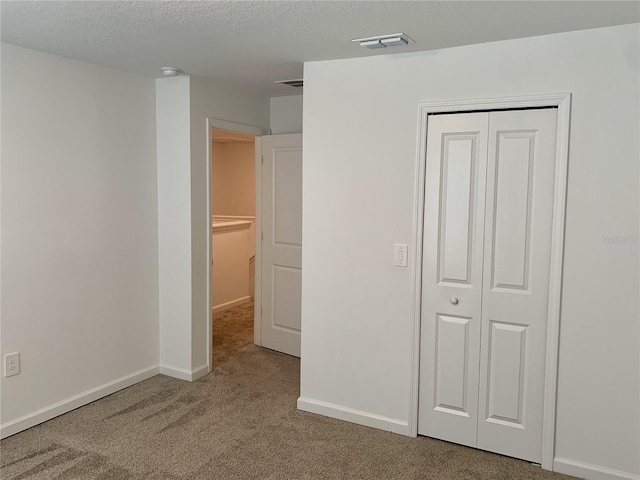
231 304
181 374
354 416
47 413
201 371
590 472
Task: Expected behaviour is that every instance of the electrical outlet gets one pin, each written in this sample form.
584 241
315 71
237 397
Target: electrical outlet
11 364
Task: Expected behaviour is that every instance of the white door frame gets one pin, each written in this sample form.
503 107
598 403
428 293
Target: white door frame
257 132
563 103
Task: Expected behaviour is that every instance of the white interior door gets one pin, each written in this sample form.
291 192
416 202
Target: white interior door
452 276
281 246
517 254
486 259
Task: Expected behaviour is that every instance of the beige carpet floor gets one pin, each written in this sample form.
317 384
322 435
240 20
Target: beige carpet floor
239 422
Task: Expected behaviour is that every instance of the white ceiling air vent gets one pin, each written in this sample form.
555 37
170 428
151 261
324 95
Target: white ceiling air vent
292 83
383 41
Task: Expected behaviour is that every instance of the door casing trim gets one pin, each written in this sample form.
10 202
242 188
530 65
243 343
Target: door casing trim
561 101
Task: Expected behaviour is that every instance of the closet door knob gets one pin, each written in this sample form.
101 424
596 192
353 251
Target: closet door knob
454 300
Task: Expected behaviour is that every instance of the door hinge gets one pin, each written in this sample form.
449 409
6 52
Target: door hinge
262 159
261 236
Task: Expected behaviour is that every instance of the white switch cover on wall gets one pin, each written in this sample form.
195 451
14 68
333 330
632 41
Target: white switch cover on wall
400 255
11 364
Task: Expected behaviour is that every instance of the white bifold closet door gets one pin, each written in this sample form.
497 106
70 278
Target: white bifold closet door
485 282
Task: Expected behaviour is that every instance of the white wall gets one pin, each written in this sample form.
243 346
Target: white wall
186 187
222 102
230 243
360 121
233 179
286 114
174 222
79 233
217 179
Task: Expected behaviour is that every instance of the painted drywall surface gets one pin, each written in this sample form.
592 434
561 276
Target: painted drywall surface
233 179
286 114
360 119
233 184
174 220
222 102
217 180
230 264
79 227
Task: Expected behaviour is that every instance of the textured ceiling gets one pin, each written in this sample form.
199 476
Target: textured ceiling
252 44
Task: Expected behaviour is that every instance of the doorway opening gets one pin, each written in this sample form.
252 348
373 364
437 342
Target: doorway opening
233 241
255 241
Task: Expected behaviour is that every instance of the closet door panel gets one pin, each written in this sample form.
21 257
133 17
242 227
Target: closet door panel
506 371
452 365
511 210
452 276
456 205
520 180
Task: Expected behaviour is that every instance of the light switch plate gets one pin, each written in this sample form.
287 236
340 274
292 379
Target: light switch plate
400 255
